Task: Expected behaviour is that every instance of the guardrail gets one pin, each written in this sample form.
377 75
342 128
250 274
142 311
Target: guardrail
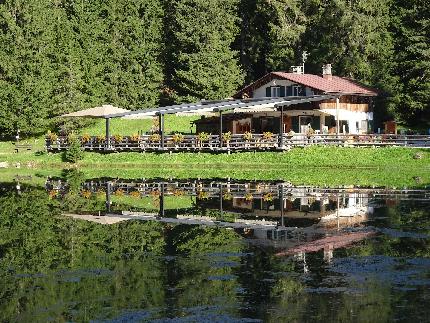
237 142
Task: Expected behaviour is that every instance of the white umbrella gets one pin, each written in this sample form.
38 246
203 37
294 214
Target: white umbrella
98 112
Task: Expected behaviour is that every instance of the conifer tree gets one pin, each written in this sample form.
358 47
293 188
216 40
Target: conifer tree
26 80
412 42
270 35
205 65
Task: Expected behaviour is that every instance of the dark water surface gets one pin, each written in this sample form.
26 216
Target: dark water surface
212 251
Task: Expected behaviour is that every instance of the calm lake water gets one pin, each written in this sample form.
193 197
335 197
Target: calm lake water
211 251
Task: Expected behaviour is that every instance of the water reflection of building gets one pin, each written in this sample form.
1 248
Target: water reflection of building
298 218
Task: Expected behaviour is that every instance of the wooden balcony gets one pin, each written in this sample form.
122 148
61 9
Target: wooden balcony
258 142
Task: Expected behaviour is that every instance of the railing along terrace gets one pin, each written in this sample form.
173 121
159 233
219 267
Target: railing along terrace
236 142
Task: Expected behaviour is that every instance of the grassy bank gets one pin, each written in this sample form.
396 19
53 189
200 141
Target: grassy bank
326 157
393 167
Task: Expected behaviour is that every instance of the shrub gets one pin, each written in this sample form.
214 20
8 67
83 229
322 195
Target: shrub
74 153
202 195
86 194
227 196
178 138
155 137
248 197
267 135
119 192
226 136
247 136
135 194
268 197
101 139
52 136
85 138
118 138
178 192
203 136
134 137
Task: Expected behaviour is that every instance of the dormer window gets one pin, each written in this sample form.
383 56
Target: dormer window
275 91
297 90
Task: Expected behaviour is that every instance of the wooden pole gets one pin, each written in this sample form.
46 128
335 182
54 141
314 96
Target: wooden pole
107 147
220 129
281 198
108 197
281 129
220 200
161 213
161 129
337 115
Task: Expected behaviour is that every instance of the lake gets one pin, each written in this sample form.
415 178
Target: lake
74 249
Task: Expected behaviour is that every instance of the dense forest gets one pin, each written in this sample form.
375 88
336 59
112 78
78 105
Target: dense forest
58 56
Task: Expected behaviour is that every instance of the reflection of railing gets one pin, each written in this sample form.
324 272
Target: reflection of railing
238 142
233 189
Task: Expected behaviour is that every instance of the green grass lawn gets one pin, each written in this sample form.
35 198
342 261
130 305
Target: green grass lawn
126 127
329 166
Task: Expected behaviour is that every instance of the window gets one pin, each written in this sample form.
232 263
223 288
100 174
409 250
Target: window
276 91
298 90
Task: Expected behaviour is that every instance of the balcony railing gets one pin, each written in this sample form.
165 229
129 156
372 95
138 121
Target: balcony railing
238 142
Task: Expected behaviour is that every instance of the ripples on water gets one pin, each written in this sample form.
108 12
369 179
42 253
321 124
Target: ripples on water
347 255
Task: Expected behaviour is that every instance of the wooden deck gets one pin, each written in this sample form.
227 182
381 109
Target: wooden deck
258 142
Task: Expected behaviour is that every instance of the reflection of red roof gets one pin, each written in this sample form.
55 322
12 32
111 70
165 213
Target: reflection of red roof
333 242
334 85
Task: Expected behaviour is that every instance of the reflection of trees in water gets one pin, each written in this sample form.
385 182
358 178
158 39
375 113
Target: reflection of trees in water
80 270
68 260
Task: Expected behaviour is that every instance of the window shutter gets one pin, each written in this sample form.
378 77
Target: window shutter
289 90
268 91
282 91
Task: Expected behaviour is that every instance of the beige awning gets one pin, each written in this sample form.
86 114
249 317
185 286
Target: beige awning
270 107
97 112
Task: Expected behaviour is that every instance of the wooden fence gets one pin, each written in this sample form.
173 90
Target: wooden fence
237 142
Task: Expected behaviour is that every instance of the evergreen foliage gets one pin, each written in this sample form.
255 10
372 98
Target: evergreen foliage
412 34
74 153
205 65
62 56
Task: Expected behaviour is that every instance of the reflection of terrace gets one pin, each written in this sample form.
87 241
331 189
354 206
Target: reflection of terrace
250 202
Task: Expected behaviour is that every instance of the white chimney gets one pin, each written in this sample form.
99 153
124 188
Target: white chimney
327 71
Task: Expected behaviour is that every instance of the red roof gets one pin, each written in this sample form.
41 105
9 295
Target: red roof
334 85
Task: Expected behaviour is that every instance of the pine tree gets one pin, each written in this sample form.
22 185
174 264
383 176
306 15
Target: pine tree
26 80
270 35
134 74
205 65
352 35
412 35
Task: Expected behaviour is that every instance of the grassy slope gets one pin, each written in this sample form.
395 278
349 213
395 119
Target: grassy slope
316 165
313 165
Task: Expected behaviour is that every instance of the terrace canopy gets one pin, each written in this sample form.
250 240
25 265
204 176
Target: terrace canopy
105 111
264 104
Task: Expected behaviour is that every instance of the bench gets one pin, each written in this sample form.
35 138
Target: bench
19 147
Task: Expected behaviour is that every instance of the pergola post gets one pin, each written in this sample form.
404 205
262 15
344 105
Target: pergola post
220 129
161 129
281 129
337 116
107 147
281 199
220 200
161 211
108 204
